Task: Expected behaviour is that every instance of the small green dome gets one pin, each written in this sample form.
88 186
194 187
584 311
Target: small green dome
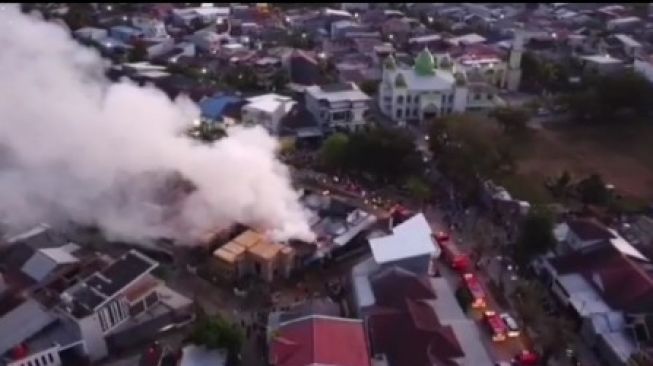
400 81
424 63
390 63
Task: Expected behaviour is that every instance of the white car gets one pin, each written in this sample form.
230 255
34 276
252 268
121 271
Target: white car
511 324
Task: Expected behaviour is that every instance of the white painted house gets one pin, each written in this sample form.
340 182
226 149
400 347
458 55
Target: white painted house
644 67
338 106
267 111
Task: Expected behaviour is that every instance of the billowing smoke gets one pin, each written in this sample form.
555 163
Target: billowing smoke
75 147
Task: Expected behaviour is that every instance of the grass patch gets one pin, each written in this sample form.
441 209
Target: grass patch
527 188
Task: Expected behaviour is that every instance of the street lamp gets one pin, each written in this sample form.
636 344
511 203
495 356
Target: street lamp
430 19
204 70
304 35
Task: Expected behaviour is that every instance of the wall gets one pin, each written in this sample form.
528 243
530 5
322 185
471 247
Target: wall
418 265
94 343
48 357
645 69
460 99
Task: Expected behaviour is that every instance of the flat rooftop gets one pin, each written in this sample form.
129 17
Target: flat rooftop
120 273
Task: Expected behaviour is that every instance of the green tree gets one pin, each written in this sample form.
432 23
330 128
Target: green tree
593 191
468 149
333 153
611 98
280 80
560 186
216 333
418 188
78 16
512 120
535 236
390 155
369 87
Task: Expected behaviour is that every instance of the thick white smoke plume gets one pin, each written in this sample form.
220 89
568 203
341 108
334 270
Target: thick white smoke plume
70 140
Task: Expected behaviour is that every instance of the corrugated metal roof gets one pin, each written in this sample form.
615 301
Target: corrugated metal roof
22 322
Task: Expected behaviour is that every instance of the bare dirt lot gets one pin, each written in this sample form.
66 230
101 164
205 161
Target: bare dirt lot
621 153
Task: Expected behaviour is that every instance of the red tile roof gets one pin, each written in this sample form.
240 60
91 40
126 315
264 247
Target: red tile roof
321 340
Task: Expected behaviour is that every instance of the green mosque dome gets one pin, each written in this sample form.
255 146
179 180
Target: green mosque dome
424 63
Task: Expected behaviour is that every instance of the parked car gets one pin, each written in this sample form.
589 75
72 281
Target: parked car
511 324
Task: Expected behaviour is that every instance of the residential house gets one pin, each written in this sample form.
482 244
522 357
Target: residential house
601 64
338 106
213 109
609 288
206 15
267 111
125 34
578 235
623 24
304 69
253 253
415 320
266 68
209 41
150 27
338 226
410 246
620 46
320 340
643 65
193 355
64 303
301 124
91 34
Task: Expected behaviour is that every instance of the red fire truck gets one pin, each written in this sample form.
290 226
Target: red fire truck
475 290
451 254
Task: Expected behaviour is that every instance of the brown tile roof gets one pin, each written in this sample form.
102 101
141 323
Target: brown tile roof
404 326
394 285
625 283
589 230
413 337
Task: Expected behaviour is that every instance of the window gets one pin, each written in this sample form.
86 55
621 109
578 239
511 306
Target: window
444 99
408 98
44 360
112 320
477 96
417 99
450 98
151 299
104 319
400 99
399 113
489 96
137 308
51 357
37 362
